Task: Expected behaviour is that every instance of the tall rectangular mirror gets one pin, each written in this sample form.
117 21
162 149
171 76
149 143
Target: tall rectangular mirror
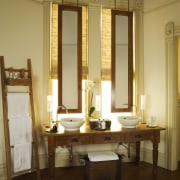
70 58
122 61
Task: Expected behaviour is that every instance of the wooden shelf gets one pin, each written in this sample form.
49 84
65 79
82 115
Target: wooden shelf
6 82
18 82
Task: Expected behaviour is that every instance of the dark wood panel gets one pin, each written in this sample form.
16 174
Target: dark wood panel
139 136
72 140
108 138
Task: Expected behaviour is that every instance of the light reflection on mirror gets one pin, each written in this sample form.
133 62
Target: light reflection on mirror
69 59
121 56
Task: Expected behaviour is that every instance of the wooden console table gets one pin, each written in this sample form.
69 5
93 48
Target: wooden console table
89 136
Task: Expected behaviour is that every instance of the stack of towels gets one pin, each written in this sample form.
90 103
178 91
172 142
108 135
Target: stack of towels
20 130
102 156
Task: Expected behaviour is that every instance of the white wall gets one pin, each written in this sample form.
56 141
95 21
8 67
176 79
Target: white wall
21 37
156 15
155 20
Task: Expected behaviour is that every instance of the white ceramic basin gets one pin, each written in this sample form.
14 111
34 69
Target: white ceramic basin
128 121
71 123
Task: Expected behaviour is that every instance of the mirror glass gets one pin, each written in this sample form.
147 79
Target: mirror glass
69 58
122 62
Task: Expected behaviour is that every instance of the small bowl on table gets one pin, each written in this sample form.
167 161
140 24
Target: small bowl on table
128 121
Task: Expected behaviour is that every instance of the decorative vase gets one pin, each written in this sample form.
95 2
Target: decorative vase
87 121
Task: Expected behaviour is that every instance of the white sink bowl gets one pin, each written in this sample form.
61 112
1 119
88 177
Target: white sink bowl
128 121
71 123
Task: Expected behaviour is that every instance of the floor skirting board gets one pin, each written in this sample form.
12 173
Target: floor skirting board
3 172
62 159
162 158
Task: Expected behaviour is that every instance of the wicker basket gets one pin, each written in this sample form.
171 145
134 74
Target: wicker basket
103 170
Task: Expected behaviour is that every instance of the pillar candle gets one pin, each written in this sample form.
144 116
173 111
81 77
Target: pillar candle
142 102
98 103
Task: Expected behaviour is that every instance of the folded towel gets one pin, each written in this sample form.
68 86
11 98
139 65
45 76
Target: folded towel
18 104
22 156
20 130
102 156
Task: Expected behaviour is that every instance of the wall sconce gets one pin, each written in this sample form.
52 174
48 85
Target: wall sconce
49 103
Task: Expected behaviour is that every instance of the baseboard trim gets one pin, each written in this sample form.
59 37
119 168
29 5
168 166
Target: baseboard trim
147 157
3 172
62 159
42 164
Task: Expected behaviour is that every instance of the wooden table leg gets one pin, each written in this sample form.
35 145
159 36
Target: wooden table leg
137 151
51 157
155 158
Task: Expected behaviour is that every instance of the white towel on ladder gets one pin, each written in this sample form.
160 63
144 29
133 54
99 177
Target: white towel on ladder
20 130
22 157
18 104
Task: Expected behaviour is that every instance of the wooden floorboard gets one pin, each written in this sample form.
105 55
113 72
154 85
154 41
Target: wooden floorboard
130 171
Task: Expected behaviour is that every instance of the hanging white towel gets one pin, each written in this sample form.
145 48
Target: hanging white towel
102 156
20 130
22 157
18 104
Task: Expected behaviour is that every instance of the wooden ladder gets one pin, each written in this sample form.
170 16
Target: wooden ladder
24 79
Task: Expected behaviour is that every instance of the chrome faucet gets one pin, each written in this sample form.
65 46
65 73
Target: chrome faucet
55 126
61 107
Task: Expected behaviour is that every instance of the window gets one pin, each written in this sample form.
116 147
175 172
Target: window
54 53
106 65
105 60
54 41
106 45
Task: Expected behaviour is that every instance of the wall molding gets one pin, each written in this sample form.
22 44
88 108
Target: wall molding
42 162
157 8
162 160
3 172
38 1
171 33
